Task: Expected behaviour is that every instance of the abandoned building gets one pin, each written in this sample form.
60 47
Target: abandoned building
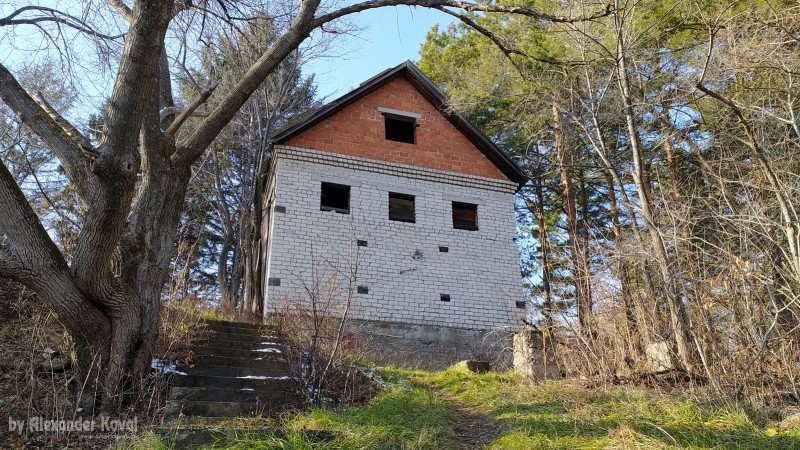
388 200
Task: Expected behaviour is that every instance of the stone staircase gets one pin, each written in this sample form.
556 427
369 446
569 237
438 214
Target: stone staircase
236 369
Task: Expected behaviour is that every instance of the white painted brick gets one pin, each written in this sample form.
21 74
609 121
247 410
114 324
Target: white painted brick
480 272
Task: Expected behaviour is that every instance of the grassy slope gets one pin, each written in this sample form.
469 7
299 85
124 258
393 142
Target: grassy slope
421 410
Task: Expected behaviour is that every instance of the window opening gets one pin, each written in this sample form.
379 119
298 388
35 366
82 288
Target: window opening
401 207
400 130
335 197
465 216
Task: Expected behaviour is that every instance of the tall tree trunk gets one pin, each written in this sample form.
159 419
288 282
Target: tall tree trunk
679 319
547 305
622 272
580 274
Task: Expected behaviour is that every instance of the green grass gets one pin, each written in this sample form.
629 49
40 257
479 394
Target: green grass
398 418
416 411
562 415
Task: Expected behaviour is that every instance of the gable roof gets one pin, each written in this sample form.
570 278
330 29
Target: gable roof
431 93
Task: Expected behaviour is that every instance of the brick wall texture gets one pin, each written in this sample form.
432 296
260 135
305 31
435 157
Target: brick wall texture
358 130
314 253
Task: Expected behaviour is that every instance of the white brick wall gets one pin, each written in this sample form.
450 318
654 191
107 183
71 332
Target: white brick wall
402 265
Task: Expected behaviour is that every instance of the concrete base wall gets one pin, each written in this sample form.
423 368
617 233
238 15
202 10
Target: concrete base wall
430 347
533 356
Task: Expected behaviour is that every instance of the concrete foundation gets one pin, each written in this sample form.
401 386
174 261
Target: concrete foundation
533 356
429 347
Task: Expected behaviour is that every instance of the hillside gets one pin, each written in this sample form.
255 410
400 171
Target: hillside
455 409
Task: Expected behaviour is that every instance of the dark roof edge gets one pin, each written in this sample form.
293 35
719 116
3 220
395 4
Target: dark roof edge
432 93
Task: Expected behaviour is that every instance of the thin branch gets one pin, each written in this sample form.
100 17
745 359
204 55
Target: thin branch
54 16
47 197
189 111
174 111
499 41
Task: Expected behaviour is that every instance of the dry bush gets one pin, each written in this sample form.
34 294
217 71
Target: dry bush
744 352
36 379
323 354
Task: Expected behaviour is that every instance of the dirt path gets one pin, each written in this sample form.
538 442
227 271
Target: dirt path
474 429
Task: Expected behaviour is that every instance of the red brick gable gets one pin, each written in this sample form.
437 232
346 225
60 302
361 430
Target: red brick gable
358 130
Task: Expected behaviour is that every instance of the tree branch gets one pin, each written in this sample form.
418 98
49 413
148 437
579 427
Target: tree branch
194 146
176 110
465 6
498 41
60 142
189 111
32 258
82 141
122 8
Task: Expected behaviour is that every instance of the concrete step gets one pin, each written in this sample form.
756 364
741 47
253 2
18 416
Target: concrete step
212 382
216 342
270 369
258 350
246 395
268 360
226 339
176 408
225 336
222 325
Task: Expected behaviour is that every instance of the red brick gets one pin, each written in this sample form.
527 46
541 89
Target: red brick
358 130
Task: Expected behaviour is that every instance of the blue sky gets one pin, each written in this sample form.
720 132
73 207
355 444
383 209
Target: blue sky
386 37
389 37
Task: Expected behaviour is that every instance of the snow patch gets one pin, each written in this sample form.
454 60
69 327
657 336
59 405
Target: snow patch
262 377
268 350
161 366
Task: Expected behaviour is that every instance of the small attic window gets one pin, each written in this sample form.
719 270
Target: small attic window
400 130
400 125
401 207
465 216
335 197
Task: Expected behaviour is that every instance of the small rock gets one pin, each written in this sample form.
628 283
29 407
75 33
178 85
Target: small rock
475 366
791 420
55 364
